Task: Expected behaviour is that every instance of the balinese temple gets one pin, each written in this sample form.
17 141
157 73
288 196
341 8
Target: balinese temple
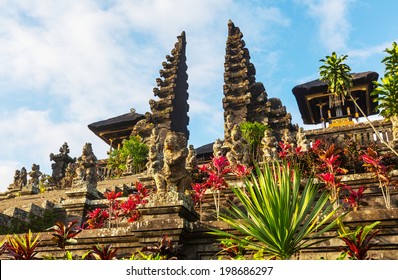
316 107
114 130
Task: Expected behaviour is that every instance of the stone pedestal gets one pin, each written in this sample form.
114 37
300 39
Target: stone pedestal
79 200
170 212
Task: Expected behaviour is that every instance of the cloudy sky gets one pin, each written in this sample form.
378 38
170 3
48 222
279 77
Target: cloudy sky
66 64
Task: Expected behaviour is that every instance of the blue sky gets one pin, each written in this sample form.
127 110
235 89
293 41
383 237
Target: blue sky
66 64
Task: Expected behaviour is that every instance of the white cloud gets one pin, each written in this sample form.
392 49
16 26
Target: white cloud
30 136
65 64
333 22
366 52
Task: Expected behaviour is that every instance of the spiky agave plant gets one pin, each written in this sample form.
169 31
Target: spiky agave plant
280 215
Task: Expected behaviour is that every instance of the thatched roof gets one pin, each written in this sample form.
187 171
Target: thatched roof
116 128
308 94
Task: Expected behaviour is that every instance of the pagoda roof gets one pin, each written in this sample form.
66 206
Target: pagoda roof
114 130
308 94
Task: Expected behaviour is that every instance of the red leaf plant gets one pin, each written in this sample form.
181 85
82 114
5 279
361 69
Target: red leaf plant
64 234
242 171
104 252
355 197
113 205
330 166
374 163
216 171
129 208
118 209
97 218
198 195
359 241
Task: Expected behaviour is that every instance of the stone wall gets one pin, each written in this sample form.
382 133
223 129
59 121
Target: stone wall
176 218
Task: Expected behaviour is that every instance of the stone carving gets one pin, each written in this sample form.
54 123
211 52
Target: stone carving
70 174
287 136
173 175
300 139
168 140
238 153
61 162
34 175
86 170
170 111
280 121
269 145
143 128
192 161
20 180
218 149
155 155
34 181
244 98
17 180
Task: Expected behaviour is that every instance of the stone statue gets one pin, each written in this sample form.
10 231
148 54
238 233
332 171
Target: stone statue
17 179
192 161
239 147
87 166
24 177
70 174
34 175
218 149
287 136
300 139
61 162
155 155
173 175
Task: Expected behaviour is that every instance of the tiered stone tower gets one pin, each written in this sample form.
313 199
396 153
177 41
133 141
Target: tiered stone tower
245 99
170 112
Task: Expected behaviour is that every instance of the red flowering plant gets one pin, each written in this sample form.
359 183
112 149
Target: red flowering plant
118 209
355 197
97 218
290 154
329 159
198 195
242 171
113 205
374 163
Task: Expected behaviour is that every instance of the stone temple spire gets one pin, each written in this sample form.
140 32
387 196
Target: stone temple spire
244 99
170 111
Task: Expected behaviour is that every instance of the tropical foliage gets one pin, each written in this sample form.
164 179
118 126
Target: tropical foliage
374 163
105 252
386 92
131 155
253 132
118 209
280 215
22 247
64 234
337 75
358 242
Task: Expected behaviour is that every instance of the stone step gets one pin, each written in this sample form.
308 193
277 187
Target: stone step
17 213
34 210
5 220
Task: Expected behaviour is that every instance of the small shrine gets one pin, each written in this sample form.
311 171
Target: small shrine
114 130
316 106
